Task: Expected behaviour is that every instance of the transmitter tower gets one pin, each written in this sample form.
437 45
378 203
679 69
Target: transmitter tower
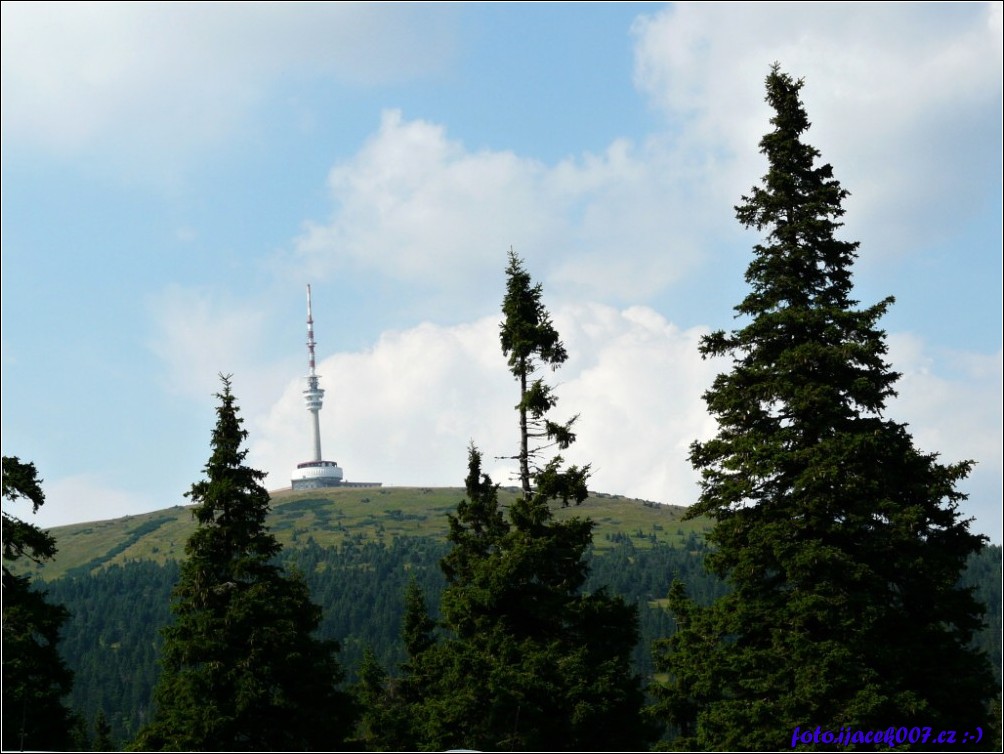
315 472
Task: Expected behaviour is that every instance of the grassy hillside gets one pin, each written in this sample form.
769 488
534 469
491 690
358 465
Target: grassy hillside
332 516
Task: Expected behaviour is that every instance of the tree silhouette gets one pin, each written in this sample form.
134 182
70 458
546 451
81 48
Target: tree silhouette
842 543
35 678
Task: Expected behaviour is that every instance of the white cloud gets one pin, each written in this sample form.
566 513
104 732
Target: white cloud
894 108
405 411
636 379
416 206
905 100
952 402
952 399
167 77
402 412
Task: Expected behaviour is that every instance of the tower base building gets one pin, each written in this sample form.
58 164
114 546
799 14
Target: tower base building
311 475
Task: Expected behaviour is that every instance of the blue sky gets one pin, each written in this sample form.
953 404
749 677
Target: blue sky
173 176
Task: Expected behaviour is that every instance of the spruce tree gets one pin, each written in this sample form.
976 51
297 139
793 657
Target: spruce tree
843 544
241 669
530 342
530 661
35 678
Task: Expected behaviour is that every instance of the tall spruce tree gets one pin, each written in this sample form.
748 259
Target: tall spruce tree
529 661
530 342
35 678
241 669
843 543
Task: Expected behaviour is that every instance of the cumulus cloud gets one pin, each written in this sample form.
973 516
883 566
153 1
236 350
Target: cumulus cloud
401 412
414 205
958 422
405 411
905 99
636 379
170 77
952 402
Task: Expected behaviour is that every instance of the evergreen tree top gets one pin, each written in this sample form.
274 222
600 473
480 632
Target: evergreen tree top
241 669
529 339
799 205
21 539
527 331
814 358
231 502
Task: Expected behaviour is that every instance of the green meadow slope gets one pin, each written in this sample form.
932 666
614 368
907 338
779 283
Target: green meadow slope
333 516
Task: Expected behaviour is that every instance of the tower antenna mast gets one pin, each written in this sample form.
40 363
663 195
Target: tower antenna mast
314 394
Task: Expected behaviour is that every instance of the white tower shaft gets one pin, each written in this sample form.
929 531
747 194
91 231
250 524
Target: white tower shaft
314 394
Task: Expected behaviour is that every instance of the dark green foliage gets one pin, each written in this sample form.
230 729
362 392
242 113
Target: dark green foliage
102 734
241 667
383 724
116 615
21 539
529 661
841 542
360 585
642 577
112 639
35 678
391 706
983 575
530 342
417 628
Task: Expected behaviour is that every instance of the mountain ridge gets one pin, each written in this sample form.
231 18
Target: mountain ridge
331 516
